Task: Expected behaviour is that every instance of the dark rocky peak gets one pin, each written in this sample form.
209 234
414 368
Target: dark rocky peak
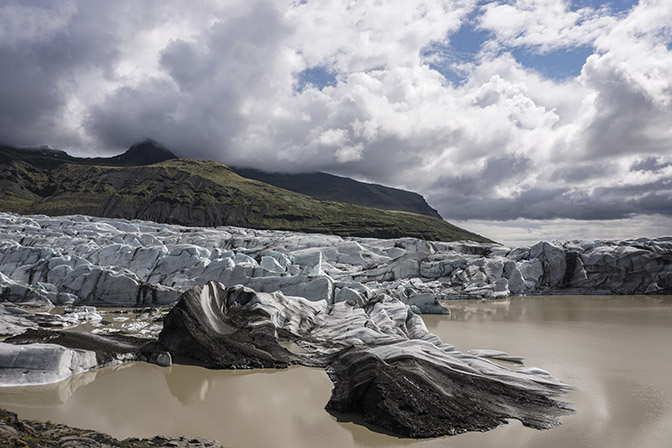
142 153
145 152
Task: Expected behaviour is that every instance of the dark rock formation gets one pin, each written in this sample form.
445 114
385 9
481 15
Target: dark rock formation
107 346
208 327
417 398
142 153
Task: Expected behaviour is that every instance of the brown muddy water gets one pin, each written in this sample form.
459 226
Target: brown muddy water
615 351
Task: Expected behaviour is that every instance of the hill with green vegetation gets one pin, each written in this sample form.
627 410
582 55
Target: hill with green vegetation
189 192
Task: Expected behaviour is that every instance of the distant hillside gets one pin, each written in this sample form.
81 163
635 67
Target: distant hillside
188 192
343 189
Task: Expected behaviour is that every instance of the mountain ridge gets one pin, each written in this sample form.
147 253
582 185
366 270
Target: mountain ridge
190 192
319 185
331 187
141 153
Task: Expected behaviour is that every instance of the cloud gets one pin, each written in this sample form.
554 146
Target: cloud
544 25
650 164
226 81
40 51
600 204
367 35
631 77
34 21
526 232
205 86
59 60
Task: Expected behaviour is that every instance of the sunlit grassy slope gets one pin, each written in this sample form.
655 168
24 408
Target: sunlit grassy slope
198 193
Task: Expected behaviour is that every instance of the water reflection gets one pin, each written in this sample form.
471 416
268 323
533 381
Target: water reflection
189 386
55 394
556 308
613 350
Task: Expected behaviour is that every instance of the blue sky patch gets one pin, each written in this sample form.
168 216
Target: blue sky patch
455 77
561 64
614 5
442 59
558 65
465 43
317 76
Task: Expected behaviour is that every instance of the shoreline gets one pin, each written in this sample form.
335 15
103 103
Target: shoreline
17 432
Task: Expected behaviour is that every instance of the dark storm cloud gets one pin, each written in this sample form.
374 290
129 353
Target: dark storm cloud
196 110
26 98
471 197
496 171
132 114
37 68
582 171
650 164
51 46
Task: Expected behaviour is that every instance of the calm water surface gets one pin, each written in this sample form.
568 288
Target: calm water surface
616 352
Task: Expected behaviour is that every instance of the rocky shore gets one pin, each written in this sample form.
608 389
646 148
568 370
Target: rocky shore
15 433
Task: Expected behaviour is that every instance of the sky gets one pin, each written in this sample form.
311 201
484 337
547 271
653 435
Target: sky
520 120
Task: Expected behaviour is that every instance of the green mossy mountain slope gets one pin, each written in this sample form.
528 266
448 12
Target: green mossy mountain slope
194 193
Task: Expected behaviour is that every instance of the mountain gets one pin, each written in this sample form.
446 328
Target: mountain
143 153
188 192
343 189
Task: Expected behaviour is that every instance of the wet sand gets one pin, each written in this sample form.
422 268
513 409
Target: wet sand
614 350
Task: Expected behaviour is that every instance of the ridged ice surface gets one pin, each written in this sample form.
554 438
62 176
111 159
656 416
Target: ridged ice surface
96 261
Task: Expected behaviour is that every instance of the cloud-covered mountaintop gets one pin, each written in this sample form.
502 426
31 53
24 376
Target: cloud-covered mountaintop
460 100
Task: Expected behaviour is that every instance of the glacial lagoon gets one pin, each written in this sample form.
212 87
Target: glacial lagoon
614 350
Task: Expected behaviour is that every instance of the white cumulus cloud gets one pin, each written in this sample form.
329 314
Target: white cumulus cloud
222 80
